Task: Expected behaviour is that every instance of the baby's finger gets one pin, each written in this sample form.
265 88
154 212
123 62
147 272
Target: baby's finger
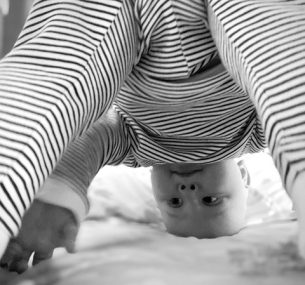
13 252
20 263
42 256
19 266
69 236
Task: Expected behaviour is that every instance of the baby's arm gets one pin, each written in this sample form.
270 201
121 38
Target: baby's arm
61 205
106 142
64 72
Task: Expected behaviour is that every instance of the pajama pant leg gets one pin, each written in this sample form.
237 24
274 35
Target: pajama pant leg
62 75
262 44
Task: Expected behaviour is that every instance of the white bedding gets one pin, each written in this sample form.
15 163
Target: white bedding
116 252
123 241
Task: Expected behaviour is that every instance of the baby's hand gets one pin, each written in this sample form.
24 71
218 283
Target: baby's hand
44 228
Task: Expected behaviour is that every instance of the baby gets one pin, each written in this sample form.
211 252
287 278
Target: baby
157 63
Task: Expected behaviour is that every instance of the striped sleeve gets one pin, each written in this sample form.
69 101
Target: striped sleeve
105 143
262 45
62 75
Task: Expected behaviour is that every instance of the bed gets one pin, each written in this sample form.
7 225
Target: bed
123 240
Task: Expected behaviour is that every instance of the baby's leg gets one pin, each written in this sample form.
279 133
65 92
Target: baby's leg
61 76
262 44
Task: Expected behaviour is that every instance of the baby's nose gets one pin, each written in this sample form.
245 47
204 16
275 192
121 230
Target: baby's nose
188 186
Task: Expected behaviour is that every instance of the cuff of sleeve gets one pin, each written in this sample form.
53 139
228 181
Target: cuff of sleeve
58 193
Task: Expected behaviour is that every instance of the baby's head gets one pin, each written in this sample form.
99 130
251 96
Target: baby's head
202 200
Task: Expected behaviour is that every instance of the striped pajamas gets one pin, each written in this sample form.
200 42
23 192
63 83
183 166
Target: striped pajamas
262 44
148 58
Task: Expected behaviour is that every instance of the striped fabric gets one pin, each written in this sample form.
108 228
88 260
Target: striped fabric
64 72
262 44
75 58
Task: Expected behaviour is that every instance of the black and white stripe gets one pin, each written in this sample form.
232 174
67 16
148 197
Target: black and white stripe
63 73
262 44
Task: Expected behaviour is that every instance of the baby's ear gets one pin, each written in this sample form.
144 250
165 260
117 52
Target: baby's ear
244 172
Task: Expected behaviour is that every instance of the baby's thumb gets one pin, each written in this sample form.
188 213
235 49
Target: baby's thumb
70 234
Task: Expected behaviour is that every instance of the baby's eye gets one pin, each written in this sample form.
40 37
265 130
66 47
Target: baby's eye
211 200
175 202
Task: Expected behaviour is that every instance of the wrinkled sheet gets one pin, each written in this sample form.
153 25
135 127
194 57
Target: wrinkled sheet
124 242
117 252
